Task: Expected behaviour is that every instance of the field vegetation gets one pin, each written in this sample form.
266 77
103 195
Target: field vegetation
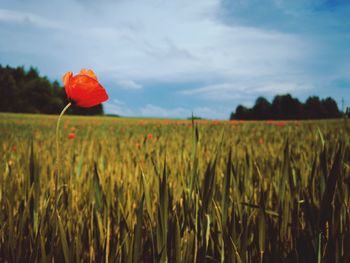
134 190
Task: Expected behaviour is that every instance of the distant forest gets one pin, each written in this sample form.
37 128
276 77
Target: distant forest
25 91
285 107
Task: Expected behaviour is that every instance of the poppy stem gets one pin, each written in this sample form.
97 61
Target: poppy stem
58 152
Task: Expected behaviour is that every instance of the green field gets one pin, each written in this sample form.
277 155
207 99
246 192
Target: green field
134 190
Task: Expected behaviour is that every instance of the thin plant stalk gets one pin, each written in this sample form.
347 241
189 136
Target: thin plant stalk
58 152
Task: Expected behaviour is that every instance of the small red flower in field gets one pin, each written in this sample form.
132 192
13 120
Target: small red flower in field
14 148
280 124
71 135
84 88
150 136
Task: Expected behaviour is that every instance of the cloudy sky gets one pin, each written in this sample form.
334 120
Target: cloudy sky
169 58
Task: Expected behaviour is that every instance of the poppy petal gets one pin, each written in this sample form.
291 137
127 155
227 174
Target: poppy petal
66 77
84 85
66 80
90 102
88 72
96 97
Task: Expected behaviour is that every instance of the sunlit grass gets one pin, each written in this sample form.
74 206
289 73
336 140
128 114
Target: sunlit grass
153 190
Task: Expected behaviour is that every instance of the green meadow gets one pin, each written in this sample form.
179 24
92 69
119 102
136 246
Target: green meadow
155 190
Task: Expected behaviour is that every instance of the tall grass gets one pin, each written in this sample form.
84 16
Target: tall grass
190 192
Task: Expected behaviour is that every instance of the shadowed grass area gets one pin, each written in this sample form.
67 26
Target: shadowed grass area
155 190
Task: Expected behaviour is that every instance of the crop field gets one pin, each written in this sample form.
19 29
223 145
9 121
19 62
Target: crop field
151 190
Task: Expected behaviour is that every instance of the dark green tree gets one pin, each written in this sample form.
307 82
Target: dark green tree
96 110
262 109
8 91
331 108
242 113
314 109
285 107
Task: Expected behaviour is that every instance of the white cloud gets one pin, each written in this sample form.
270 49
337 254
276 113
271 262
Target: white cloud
118 102
11 16
179 112
141 41
118 107
218 92
155 111
129 84
212 112
280 88
236 91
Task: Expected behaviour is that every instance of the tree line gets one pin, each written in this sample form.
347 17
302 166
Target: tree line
288 108
25 91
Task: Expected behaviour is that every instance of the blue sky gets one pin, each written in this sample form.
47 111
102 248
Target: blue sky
171 58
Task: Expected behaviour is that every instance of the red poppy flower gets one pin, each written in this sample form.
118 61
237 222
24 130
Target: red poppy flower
71 135
84 88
